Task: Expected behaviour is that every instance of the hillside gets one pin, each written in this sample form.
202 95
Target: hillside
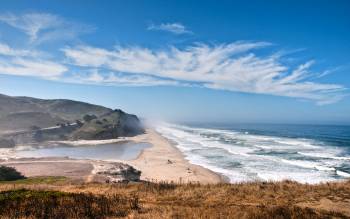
31 120
24 112
111 125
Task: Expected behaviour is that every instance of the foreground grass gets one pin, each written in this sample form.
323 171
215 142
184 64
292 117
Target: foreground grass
54 204
165 200
38 180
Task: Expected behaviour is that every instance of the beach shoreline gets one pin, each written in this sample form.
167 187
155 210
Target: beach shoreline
165 162
160 162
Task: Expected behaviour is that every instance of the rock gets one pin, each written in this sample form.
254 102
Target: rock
131 174
118 172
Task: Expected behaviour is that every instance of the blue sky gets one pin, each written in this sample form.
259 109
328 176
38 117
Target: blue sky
209 61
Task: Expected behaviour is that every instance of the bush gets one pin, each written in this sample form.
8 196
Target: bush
88 118
9 174
98 122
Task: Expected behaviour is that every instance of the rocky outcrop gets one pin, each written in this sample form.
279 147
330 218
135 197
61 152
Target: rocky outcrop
117 172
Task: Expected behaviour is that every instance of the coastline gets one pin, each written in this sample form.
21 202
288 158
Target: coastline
164 162
161 162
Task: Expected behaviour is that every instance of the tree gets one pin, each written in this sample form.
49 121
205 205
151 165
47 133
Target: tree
88 118
9 174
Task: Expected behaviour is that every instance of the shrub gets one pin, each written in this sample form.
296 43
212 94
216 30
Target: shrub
88 118
98 122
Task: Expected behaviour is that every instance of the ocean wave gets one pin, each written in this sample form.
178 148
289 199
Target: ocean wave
309 165
260 157
324 155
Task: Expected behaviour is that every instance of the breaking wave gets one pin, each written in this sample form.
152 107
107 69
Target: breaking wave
242 156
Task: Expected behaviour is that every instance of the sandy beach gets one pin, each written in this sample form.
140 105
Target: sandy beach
161 162
76 170
164 162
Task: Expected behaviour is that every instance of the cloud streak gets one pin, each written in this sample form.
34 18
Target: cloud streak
42 27
28 63
233 67
27 67
119 79
8 51
176 28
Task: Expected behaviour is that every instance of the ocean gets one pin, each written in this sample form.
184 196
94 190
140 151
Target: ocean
266 152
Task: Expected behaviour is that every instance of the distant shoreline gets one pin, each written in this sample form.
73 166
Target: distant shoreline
153 161
161 162
164 162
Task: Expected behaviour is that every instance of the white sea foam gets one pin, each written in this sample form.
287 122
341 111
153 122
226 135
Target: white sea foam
327 155
308 164
341 173
246 157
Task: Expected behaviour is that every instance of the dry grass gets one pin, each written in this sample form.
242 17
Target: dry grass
165 200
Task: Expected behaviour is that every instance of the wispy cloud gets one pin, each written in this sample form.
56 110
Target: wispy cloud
176 28
28 67
28 63
120 79
233 67
8 51
238 66
41 27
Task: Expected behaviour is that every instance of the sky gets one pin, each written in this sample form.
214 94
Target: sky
195 61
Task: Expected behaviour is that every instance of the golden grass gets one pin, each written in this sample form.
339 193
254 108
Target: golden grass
166 200
38 180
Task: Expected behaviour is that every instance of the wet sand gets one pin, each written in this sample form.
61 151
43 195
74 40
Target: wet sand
79 170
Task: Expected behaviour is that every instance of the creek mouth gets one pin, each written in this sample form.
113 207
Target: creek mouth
107 152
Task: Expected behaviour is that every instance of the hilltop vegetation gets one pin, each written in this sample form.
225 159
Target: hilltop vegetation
166 200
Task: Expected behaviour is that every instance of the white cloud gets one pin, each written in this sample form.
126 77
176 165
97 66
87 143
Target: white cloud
175 28
27 67
41 27
120 79
233 67
8 51
238 66
28 63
